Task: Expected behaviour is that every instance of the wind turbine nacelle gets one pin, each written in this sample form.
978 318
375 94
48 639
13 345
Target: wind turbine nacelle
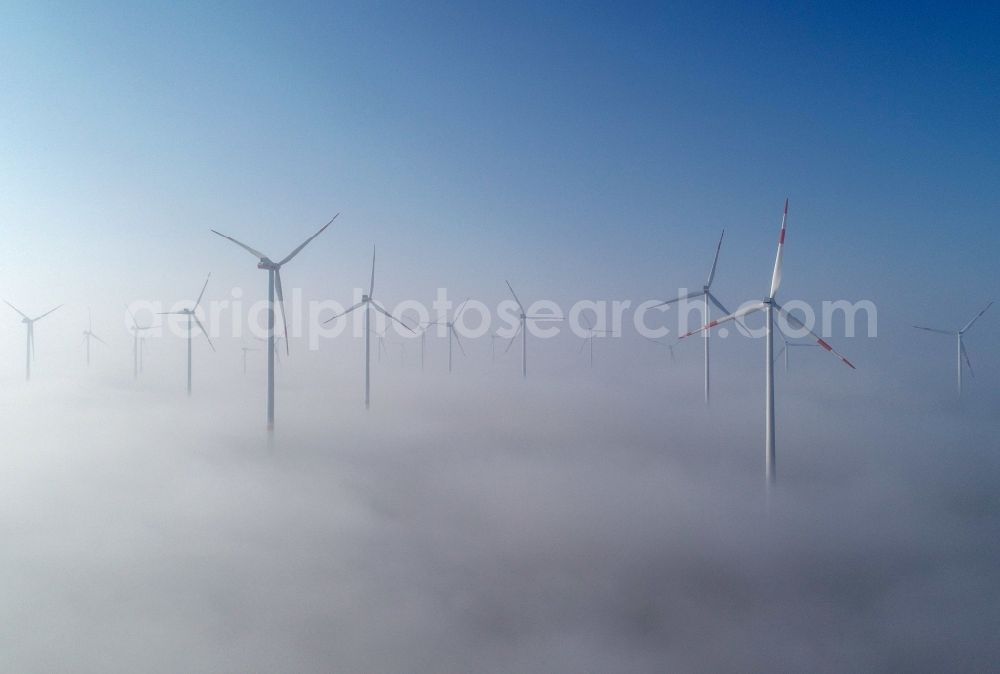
266 263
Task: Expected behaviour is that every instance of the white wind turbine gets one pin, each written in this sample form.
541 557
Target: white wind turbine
769 306
192 317
961 353
523 329
274 287
452 333
29 323
706 294
88 335
368 303
589 339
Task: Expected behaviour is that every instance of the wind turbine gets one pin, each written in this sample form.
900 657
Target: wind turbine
670 346
423 344
277 347
88 335
788 346
450 326
706 294
493 346
523 329
244 349
769 305
274 286
590 338
29 323
137 340
368 303
381 344
961 353
192 317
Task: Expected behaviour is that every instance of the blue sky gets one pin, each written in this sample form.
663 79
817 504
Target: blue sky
582 151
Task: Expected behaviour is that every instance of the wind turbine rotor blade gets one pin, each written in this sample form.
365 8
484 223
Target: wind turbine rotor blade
819 340
780 351
343 313
461 308
256 253
510 342
515 296
657 342
379 307
749 309
16 309
203 331
537 317
942 332
583 345
281 305
586 321
48 312
776 276
689 296
306 242
98 339
371 286
715 300
968 363
715 263
969 324
202 293
90 321
457 340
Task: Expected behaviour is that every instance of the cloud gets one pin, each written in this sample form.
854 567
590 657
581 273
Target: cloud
536 526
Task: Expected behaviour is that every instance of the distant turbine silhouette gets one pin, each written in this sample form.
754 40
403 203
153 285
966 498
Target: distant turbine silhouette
659 342
706 294
29 324
590 338
369 303
274 286
88 335
244 349
788 346
137 339
450 325
493 346
960 352
523 329
192 317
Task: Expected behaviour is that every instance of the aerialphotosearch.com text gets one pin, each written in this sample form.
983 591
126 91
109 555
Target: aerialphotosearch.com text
237 317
